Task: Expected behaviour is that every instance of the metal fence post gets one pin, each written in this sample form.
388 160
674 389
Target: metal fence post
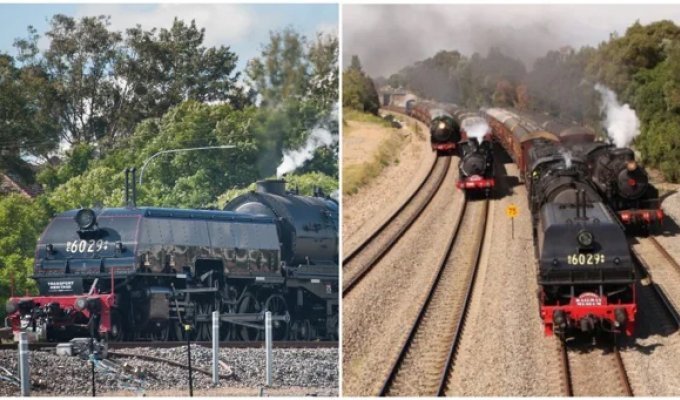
268 345
215 346
24 373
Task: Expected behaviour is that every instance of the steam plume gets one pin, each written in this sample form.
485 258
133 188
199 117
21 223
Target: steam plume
566 154
621 122
292 159
475 127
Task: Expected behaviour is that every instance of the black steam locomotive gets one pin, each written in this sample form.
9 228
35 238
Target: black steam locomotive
475 170
622 182
444 129
585 271
586 275
146 273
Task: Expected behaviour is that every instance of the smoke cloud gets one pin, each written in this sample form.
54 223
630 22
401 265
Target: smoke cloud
292 159
621 122
389 37
476 127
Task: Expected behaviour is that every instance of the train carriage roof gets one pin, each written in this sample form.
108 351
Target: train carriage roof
539 135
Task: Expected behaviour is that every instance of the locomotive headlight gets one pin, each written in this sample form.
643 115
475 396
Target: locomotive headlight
631 165
442 125
620 315
85 218
585 238
81 303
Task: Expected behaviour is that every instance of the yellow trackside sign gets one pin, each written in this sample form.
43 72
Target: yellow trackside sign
511 211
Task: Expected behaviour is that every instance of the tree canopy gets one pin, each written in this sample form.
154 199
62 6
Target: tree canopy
96 101
642 67
358 90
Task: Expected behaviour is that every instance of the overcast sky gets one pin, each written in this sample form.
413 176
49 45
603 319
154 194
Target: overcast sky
243 27
389 37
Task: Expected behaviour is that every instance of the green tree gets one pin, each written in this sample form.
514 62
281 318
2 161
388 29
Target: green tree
21 222
358 90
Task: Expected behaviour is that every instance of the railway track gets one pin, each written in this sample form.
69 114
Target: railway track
426 358
658 297
361 260
170 344
664 253
589 371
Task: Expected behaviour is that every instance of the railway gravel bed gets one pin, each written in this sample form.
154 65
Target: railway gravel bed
420 371
314 369
651 356
503 351
367 209
594 371
669 234
660 269
356 264
376 314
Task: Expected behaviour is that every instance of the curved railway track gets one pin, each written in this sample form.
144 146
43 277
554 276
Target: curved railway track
170 344
426 358
362 259
590 372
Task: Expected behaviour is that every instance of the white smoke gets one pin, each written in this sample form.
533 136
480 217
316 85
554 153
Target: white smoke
292 159
567 157
621 121
475 127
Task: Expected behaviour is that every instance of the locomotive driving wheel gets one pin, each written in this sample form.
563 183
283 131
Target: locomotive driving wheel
160 332
116 334
301 330
249 304
278 307
204 321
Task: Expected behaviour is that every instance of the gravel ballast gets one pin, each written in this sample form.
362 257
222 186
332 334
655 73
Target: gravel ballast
378 312
503 351
314 369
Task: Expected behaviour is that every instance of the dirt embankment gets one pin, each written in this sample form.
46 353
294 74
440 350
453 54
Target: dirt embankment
376 200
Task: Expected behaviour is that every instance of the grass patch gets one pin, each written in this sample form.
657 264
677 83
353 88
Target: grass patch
354 115
418 132
358 175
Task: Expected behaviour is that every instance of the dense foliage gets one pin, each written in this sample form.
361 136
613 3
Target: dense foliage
642 67
358 91
117 99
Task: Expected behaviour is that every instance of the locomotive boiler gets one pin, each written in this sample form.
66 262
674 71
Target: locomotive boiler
136 273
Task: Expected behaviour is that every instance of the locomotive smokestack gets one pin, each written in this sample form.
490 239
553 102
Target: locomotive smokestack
271 186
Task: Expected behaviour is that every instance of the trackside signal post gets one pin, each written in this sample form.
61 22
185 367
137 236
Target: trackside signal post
512 211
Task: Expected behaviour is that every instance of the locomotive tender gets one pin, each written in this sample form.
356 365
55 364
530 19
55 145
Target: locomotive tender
586 275
144 272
